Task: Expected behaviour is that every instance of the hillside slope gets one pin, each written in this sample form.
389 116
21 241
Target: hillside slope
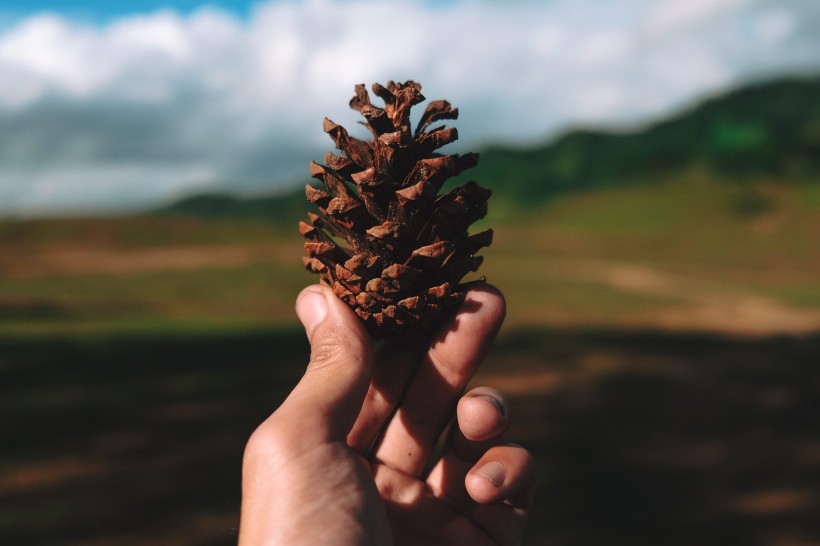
764 131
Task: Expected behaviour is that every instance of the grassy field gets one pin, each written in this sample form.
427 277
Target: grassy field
682 253
661 355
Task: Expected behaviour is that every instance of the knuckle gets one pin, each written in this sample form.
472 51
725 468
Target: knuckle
260 443
325 353
335 348
265 444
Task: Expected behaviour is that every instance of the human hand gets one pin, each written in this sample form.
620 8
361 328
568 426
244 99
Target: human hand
348 458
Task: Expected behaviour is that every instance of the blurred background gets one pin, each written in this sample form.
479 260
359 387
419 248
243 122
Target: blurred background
656 178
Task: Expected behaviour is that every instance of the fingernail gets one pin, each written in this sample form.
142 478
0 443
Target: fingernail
492 400
493 471
311 307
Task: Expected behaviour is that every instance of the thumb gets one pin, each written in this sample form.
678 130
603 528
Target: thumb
332 390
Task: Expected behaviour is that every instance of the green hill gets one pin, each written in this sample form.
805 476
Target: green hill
766 131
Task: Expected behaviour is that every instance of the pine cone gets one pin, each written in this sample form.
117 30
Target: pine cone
385 241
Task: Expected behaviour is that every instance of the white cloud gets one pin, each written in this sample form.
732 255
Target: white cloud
151 105
673 15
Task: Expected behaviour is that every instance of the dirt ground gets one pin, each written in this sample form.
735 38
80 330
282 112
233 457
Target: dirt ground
642 437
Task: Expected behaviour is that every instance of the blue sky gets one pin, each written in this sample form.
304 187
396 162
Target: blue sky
103 11
97 11
125 104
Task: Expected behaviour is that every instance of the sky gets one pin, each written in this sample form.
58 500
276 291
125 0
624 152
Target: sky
108 106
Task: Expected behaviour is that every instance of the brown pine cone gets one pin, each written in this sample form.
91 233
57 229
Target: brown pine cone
384 239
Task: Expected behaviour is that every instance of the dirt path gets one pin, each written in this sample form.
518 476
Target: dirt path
706 304
722 306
